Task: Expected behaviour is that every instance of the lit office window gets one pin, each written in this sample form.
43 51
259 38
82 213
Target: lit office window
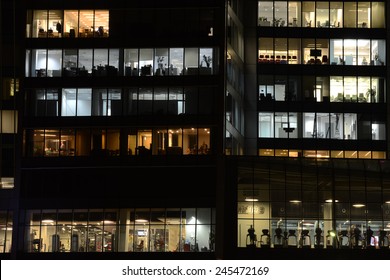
266 125
281 211
308 14
321 14
8 121
6 225
7 183
44 24
101 230
176 61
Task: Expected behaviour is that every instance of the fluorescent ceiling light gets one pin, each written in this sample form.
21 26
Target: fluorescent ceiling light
141 221
251 199
358 205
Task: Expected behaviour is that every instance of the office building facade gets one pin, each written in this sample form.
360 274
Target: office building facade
210 129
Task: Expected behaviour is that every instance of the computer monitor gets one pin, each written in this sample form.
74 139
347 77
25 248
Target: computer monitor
315 52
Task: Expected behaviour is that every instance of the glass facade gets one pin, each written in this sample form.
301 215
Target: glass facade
67 23
76 102
303 77
107 142
321 14
310 203
120 230
6 228
121 62
319 51
118 92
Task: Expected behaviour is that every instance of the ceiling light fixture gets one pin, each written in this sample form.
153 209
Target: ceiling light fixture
358 205
141 221
251 199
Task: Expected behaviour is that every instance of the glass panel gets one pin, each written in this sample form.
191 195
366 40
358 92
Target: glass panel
70 63
95 241
364 57
40 24
308 14
131 62
100 62
113 142
336 14
68 104
294 14
67 146
266 50
336 52
335 127
363 89
336 89
160 101
99 104
161 62
363 15
378 52
280 10
132 101
144 142
190 141
71 20
83 142
175 139
102 20
265 13
294 51
266 125
80 231
159 235
350 57
39 63
84 102
191 96
378 14
54 63
5 232
142 230
191 61
309 125
204 145
280 48
113 65
176 61
206 61
146 62
322 14
176 101
55 24
350 89
350 10
52 145
86 26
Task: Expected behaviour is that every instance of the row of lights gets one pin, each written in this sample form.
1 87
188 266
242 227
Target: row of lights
356 205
